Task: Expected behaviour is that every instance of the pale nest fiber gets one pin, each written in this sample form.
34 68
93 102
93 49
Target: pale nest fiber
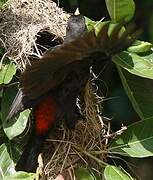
22 20
76 148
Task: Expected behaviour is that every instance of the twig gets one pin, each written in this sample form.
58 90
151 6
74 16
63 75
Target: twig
117 133
107 134
100 162
65 158
2 59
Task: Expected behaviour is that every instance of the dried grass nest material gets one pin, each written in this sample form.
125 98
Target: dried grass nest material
22 20
73 148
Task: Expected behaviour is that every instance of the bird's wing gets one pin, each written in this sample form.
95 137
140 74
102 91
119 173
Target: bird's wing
48 73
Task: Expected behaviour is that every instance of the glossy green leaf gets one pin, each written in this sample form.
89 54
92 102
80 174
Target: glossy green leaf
15 129
120 9
84 174
7 166
135 64
89 24
7 72
98 25
16 126
14 149
148 56
140 47
136 141
116 173
21 176
139 91
8 97
95 25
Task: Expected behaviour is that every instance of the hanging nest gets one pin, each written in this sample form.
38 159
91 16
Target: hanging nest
77 148
20 23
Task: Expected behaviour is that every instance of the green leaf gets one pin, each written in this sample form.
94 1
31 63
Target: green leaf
6 164
136 141
97 25
89 24
84 174
120 9
13 130
16 126
14 149
7 72
21 176
7 99
135 64
139 91
140 47
116 173
2 134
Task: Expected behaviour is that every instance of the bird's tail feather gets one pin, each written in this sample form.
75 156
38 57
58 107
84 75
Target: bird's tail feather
17 105
29 159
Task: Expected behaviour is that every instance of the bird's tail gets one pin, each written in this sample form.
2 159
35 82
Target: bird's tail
17 105
29 159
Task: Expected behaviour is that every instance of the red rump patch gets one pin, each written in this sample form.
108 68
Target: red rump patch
45 115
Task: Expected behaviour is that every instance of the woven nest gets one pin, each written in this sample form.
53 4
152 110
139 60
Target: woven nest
20 23
22 20
76 148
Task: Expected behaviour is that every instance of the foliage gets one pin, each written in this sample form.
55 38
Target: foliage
136 141
119 10
135 68
17 125
10 153
85 174
7 167
7 72
113 172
